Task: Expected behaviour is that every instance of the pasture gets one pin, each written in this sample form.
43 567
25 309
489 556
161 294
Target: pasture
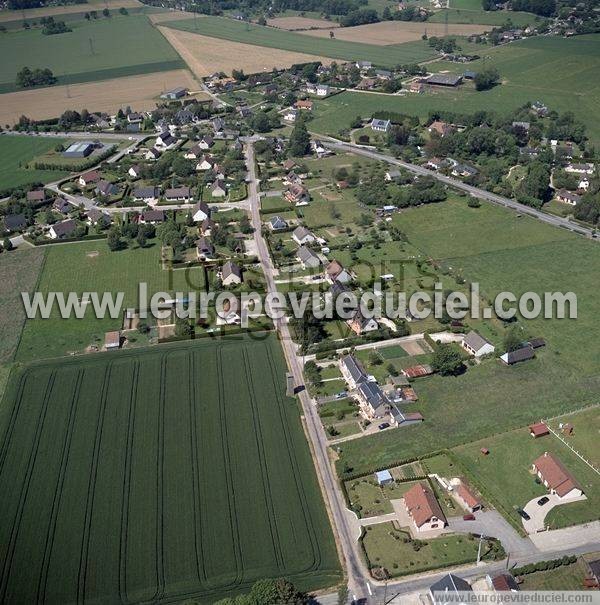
92 267
301 23
270 37
560 72
107 96
96 50
16 152
491 397
32 14
586 433
463 12
151 487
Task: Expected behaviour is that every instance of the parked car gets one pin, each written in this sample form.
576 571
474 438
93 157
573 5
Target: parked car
523 514
383 425
469 517
340 395
543 501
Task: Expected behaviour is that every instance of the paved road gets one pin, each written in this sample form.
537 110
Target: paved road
474 191
357 578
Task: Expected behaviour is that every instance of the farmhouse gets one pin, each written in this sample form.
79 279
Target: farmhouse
152 217
423 508
466 498
360 324
441 128
477 345
444 79
380 125
353 371
179 194
523 354
301 235
307 258
554 475
231 274
567 197
146 194
297 194
89 178
276 223
175 93
62 229
200 212
80 149
112 340
335 272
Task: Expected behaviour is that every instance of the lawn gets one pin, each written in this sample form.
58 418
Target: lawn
16 152
90 52
504 479
92 267
551 69
134 477
392 549
368 499
586 433
236 31
470 11
491 398
393 352
566 577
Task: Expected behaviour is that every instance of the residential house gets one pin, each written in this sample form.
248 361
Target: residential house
290 114
464 170
399 418
555 476
567 197
37 196
106 188
276 223
297 194
153 154
135 172
97 217
416 86
372 400
504 582
152 217
206 142
165 140
301 235
441 128
146 194
322 90
353 371
586 168
305 104
15 222
320 149
200 212
447 590
360 324
62 205
89 178
392 174
307 258
184 116
135 118
423 508
466 498
218 188
179 194
193 153
523 354
380 125
363 65
337 288
231 274
288 165
205 162
63 229
218 126
207 226
477 345
436 163
204 249
335 272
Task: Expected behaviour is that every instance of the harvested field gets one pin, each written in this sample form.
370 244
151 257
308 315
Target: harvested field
52 11
300 23
387 33
139 92
205 55
130 477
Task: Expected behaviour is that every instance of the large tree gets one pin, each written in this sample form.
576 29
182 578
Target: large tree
447 361
299 144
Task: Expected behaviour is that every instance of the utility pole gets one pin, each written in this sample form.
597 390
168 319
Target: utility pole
481 538
92 46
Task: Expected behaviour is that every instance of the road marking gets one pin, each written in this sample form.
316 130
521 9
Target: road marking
369 589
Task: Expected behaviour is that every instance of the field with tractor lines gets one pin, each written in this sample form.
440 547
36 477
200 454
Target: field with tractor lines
158 476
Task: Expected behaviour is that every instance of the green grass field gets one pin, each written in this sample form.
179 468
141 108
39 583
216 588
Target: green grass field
230 29
586 431
556 71
16 152
95 50
158 476
491 398
92 267
566 577
470 11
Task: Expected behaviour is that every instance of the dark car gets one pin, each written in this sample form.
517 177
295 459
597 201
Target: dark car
543 501
469 517
383 425
524 514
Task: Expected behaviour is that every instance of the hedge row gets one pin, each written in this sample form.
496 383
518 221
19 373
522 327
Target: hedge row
64 240
92 161
544 565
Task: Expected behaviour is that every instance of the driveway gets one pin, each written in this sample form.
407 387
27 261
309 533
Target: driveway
538 513
569 537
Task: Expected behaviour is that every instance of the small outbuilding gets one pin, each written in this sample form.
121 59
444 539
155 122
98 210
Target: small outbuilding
539 429
384 477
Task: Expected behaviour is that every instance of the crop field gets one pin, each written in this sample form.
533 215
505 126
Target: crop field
206 56
107 96
478 15
95 50
490 397
135 478
301 23
92 267
550 69
270 37
396 32
16 152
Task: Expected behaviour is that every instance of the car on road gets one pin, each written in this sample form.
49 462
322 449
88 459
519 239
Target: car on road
340 395
543 501
383 425
523 514
469 517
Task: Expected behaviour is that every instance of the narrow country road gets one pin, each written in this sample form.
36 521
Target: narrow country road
357 580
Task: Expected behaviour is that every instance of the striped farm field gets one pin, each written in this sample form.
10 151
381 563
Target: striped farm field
164 475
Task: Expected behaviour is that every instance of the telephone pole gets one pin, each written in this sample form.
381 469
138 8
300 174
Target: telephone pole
92 46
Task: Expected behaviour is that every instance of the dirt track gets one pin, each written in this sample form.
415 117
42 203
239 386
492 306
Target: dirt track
139 92
205 55
396 32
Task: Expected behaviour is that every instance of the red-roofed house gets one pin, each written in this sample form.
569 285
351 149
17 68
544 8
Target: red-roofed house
554 475
466 498
539 429
423 508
